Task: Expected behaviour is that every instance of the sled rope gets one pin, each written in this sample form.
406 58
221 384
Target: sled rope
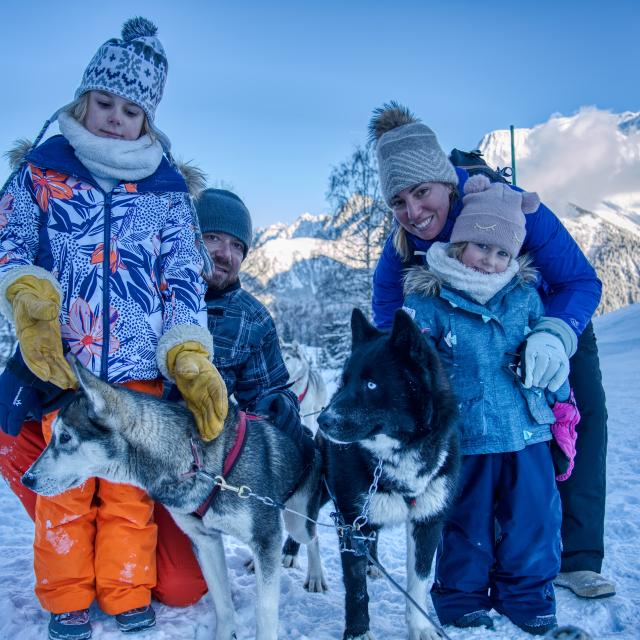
403 591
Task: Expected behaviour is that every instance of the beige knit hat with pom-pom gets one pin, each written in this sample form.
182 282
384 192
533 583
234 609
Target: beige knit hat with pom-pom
408 151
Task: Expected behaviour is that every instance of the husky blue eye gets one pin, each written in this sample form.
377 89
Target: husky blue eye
64 438
371 385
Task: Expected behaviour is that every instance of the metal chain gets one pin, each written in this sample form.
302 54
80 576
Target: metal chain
345 532
311 413
245 492
363 518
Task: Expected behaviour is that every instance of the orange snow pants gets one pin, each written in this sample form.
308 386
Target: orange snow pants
97 541
16 456
89 566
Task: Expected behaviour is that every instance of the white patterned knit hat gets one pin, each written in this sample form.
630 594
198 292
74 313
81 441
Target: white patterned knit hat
134 68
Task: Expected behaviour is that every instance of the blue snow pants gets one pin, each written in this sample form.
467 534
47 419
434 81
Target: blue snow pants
500 547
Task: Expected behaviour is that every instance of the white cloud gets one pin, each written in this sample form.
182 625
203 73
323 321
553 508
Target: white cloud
584 159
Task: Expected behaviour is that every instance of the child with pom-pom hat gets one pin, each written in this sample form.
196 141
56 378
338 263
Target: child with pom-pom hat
476 301
98 255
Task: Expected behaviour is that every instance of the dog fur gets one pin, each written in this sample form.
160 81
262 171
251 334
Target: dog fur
128 437
394 404
305 382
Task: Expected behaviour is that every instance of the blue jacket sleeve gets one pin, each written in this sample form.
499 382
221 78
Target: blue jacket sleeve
19 223
570 287
387 286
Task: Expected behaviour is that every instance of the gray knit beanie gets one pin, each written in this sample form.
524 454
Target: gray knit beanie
221 210
493 213
408 151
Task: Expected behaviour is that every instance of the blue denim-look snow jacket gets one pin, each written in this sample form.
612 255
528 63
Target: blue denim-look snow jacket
497 414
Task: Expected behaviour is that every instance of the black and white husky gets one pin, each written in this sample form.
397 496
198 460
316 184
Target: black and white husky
393 405
124 436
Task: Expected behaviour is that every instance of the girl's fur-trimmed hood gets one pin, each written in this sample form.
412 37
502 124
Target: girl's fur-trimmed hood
195 178
421 281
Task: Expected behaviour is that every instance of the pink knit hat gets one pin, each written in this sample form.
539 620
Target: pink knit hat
493 213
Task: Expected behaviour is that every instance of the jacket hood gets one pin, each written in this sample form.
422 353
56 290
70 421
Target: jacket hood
194 176
419 280
18 152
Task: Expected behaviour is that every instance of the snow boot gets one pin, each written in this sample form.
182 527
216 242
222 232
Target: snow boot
73 625
136 619
568 633
478 618
586 584
539 625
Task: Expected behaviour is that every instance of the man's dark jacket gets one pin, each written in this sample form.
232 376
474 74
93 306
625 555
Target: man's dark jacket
246 348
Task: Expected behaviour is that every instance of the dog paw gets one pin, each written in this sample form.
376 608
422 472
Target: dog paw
316 584
426 633
289 561
373 572
226 634
250 565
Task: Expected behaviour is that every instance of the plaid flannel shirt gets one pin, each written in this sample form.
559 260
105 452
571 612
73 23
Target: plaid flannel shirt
246 348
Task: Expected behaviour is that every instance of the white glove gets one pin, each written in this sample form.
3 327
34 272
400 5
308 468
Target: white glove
546 362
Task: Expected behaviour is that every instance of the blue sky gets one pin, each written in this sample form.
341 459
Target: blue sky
268 96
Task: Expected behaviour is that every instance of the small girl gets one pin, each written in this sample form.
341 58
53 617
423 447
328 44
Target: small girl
97 250
474 300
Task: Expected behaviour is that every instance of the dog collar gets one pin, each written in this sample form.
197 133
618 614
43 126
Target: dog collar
229 461
304 393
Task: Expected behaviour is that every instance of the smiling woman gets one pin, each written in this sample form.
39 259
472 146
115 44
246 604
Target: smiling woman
422 188
422 209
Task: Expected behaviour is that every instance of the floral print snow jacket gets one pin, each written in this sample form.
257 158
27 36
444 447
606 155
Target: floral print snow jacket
126 260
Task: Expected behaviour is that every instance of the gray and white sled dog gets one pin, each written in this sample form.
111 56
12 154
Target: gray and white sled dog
124 436
306 383
393 407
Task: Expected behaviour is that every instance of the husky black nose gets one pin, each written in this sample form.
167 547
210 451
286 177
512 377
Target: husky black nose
28 480
326 419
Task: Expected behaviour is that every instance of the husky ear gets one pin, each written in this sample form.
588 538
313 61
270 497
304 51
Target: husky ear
405 335
98 393
361 329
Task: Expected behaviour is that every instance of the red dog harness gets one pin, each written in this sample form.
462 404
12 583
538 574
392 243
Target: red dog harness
229 461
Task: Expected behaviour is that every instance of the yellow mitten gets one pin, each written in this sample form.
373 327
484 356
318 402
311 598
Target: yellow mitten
36 306
201 386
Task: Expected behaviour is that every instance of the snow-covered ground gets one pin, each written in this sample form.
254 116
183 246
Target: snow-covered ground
319 617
